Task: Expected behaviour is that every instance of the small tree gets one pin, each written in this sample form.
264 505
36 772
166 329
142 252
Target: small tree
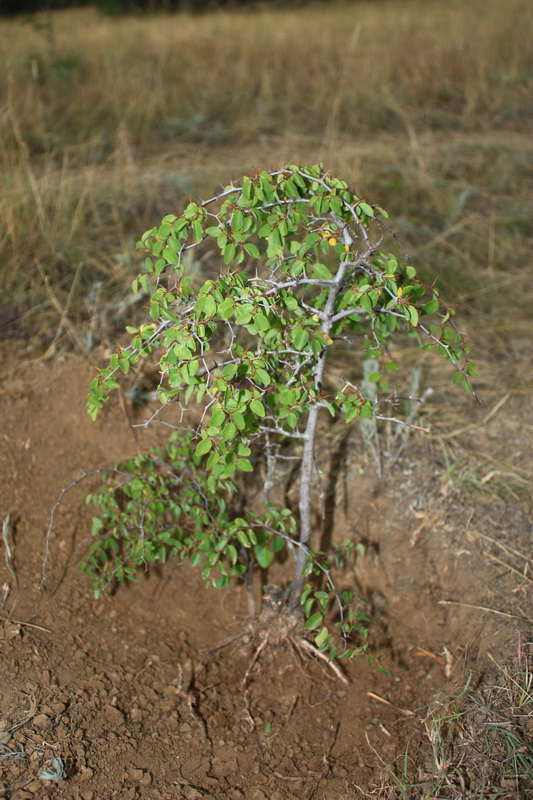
299 269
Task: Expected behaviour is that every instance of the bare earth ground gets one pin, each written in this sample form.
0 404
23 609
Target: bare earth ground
121 688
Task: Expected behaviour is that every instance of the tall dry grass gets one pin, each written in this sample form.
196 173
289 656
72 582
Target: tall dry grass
270 70
128 116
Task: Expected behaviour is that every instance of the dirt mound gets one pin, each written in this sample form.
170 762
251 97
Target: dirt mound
122 697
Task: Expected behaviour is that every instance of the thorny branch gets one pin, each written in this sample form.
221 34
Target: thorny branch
302 270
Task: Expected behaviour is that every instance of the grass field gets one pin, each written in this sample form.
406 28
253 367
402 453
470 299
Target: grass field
107 124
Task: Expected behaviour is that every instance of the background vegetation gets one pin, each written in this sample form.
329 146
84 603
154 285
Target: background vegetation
108 124
12 7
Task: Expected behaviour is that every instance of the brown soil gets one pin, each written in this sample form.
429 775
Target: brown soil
123 689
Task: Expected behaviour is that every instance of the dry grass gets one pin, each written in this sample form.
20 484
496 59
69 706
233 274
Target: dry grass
480 742
424 105
249 73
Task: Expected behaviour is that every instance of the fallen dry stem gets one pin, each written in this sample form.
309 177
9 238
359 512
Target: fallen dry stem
527 620
506 548
503 563
403 711
26 624
26 718
9 556
475 425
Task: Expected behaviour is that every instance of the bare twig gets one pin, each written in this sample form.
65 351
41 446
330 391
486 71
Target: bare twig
507 548
9 556
509 567
26 718
484 608
323 657
56 505
403 711
25 624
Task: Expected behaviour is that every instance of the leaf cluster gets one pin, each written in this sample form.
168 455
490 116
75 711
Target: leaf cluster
303 268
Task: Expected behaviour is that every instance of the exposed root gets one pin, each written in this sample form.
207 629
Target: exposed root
252 662
275 627
310 648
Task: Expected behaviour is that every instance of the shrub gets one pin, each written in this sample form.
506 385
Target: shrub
298 269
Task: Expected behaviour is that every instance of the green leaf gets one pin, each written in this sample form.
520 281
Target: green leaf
431 307
244 465
229 253
262 376
252 250
226 309
213 460
308 605
366 410
229 432
162 395
217 417
264 556
261 322
237 220
290 302
229 372
366 209
364 302
243 314
200 303
412 314
203 447
321 271
314 622
257 408
321 637
209 306
232 553
239 421
299 337
197 230
242 536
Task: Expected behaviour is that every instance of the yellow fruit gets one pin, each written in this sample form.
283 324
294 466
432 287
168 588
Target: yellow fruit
332 241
